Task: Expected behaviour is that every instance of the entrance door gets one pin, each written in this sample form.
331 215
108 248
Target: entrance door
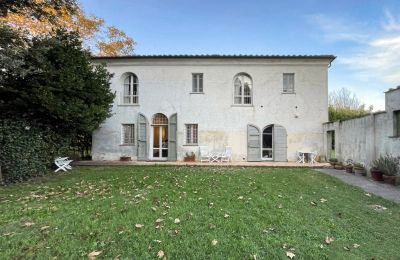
160 137
267 143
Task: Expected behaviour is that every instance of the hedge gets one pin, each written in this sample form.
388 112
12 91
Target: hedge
27 150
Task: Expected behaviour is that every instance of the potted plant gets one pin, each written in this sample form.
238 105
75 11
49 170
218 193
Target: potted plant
359 169
376 170
190 157
390 168
333 161
125 158
339 166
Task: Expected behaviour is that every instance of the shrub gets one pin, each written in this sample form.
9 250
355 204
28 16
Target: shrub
26 150
388 164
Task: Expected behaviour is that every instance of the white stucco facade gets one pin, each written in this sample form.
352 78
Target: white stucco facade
165 86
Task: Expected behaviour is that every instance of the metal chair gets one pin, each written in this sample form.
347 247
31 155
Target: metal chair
63 163
204 154
227 155
300 157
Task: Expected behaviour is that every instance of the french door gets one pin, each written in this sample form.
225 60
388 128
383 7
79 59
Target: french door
160 142
267 144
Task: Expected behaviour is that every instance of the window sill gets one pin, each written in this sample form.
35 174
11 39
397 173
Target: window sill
190 145
127 145
394 136
128 105
197 93
288 93
238 105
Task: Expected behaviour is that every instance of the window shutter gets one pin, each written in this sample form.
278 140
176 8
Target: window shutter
280 144
253 144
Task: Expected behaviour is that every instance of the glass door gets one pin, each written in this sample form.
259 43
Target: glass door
160 142
267 144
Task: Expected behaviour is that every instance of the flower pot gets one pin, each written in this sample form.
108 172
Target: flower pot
359 171
349 168
124 158
376 175
389 179
338 167
189 159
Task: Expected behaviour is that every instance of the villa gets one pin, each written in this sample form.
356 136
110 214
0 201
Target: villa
266 107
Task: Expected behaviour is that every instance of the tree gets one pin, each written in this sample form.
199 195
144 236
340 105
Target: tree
343 104
59 88
101 39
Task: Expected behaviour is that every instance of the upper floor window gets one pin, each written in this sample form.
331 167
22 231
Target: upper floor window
197 83
288 82
130 94
128 134
242 89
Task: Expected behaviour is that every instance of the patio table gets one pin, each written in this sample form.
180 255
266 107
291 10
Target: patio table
215 157
308 155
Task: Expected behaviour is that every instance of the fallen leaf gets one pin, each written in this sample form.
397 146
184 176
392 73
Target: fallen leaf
240 197
367 194
157 241
290 255
177 221
346 248
280 206
44 228
8 234
28 224
159 220
284 246
138 226
255 257
92 255
211 226
226 216
280 196
323 200
313 203
160 254
356 245
329 240
214 242
153 209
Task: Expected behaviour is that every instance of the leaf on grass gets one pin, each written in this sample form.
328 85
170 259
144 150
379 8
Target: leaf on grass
367 194
94 254
159 220
211 226
254 257
284 246
346 248
157 241
177 221
280 196
280 206
226 216
313 203
329 240
160 254
44 228
153 209
138 226
28 224
323 200
356 245
214 242
240 197
290 254
210 205
8 234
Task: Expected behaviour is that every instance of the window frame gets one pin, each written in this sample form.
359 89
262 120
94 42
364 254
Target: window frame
197 88
396 123
132 84
194 134
123 132
293 91
242 95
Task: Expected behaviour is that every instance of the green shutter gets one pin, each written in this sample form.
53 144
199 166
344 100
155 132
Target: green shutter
253 144
280 143
172 130
142 138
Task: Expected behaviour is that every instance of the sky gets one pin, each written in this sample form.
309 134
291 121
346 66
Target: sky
363 34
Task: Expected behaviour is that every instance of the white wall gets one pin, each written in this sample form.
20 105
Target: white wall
165 86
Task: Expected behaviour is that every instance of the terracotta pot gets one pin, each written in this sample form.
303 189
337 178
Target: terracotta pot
189 159
376 175
349 169
359 171
124 158
389 179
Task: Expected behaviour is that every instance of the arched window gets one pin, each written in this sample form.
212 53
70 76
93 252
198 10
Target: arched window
131 87
242 84
160 119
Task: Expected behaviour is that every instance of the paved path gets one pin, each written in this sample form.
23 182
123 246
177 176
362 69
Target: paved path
383 190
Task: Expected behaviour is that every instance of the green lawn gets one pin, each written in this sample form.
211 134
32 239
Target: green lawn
247 212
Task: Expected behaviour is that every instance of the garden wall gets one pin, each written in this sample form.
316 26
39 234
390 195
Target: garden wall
365 138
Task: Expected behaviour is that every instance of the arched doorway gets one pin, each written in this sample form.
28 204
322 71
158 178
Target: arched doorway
159 137
267 147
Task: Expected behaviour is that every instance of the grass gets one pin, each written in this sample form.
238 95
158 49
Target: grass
250 212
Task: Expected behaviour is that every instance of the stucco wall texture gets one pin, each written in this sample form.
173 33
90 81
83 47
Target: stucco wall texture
165 86
366 138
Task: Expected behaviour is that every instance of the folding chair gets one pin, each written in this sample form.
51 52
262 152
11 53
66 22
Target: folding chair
227 155
300 157
63 163
204 154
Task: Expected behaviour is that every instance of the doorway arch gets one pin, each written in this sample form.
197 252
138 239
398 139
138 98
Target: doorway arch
159 142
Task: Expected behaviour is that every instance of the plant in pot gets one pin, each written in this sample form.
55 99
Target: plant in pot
333 161
359 169
390 168
125 158
376 170
339 166
190 157
349 166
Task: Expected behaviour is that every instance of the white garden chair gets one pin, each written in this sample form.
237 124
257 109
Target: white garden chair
204 154
313 156
227 155
63 163
300 157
